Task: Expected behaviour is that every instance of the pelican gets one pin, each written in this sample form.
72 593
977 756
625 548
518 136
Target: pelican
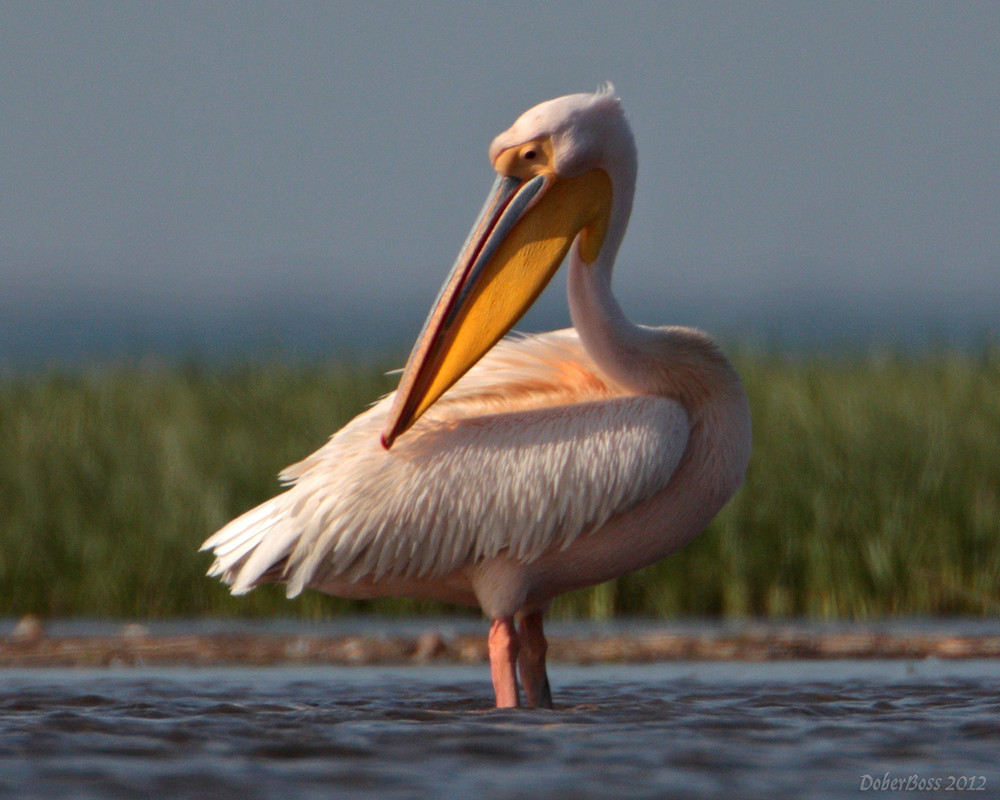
505 471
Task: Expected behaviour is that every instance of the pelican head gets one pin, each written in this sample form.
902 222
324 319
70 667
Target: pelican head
565 175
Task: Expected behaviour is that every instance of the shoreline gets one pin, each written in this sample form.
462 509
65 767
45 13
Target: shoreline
135 645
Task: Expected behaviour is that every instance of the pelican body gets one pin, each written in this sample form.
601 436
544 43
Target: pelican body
503 472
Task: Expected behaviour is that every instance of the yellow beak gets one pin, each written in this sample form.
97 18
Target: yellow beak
518 241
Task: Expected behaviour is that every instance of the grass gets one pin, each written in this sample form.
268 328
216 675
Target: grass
874 490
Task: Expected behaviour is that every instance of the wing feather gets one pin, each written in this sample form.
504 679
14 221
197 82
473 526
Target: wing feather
532 449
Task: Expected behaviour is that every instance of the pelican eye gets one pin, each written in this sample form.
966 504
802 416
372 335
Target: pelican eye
525 160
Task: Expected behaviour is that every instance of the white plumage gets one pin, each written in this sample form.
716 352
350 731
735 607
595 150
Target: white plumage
433 504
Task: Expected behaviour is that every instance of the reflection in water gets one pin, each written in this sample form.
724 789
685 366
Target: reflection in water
804 729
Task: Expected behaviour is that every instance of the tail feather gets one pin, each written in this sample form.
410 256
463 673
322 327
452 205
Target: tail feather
250 546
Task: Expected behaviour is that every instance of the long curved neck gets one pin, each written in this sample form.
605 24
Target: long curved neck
679 362
683 363
613 341
618 345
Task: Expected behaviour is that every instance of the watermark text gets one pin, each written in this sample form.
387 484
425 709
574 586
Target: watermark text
887 782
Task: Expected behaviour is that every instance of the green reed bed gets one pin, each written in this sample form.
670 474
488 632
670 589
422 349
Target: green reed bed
874 489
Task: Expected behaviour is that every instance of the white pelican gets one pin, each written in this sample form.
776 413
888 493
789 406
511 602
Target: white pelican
503 474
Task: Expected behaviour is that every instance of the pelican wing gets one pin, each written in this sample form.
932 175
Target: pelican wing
530 450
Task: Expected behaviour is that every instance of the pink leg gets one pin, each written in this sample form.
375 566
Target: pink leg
503 659
531 661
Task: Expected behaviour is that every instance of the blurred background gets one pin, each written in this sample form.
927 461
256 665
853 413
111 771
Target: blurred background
216 178
223 222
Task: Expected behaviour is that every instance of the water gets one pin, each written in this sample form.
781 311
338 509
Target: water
790 729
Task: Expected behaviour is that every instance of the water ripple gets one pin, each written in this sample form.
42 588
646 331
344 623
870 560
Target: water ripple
733 730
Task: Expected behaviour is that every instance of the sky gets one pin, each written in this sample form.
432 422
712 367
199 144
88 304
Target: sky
225 176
